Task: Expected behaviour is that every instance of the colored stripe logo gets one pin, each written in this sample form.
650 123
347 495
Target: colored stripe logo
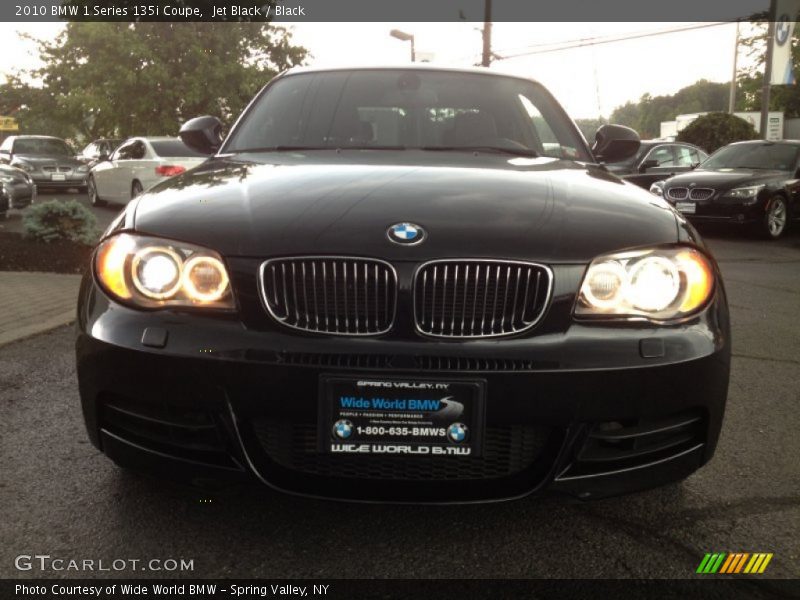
734 562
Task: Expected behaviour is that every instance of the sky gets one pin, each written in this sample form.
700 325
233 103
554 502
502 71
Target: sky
589 81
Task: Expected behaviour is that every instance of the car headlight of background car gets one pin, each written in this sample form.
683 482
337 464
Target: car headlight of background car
661 283
25 166
657 188
746 193
149 272
82 169
6 179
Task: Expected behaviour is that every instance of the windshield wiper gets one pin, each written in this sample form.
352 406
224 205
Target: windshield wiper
488 149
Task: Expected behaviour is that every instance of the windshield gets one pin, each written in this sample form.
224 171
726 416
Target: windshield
405 109
781 157
45 147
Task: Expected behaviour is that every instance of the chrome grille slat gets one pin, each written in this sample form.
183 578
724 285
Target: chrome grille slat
332 295
701 193
678 193
473 298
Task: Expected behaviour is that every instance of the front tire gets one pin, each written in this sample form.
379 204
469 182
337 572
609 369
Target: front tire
91 190
776 218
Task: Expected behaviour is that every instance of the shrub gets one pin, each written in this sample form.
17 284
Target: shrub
57 220
715 130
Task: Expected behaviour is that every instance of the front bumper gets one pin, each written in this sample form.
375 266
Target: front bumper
17 195
726 212
587 411
71 180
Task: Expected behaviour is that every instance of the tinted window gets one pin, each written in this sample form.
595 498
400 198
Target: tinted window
45 147
173 148
124 152
406 109
782 157
685 156
662 155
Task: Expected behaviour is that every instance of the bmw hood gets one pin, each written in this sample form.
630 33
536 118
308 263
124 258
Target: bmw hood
723 179
40 161
345 202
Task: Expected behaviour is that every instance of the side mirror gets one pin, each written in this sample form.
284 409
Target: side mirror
648 164
613 143
694 166
202 134
5 156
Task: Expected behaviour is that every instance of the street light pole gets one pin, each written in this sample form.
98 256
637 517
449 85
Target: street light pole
765 89
487 34
732 95
405 37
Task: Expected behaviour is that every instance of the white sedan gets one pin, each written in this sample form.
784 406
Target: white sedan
138 164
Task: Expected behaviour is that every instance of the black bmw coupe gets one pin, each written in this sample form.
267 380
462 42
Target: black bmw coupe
752 184
405 285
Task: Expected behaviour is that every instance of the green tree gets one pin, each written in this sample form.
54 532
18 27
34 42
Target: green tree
646 115
122 79
715 130
589 127
785 98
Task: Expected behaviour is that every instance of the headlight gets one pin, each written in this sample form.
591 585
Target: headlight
658 283
82 169
744 193
6 178
154 273
25 166
657 188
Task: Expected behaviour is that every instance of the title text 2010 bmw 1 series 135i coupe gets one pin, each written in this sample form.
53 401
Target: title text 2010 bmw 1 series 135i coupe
408 285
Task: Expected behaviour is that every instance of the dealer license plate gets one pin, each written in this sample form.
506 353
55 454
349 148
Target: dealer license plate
58 177
417 417
686 207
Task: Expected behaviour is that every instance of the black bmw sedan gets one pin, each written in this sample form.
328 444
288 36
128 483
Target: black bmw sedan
405 285
751 183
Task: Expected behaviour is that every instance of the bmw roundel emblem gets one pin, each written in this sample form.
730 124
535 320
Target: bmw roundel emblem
406 233
457 432
343 429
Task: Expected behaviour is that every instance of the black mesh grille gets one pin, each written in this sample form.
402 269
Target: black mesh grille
701 193
349 296
678 193
191 433
506 451
475 298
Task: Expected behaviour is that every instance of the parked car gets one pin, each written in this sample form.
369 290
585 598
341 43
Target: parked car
98 150
752 183
49 161
138 164
658 160
405 284
17 189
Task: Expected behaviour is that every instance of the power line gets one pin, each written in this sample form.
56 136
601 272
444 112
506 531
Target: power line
546 48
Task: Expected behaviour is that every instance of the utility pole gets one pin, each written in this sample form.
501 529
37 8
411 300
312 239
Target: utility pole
732 96
487 34
767 71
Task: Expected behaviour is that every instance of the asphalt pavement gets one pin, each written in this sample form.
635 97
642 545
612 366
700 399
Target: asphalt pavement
62 498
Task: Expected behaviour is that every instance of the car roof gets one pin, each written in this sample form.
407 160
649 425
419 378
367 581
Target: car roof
408 67
776 142
36 137
153 138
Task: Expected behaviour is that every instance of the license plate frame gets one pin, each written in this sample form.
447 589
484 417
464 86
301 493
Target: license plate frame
686 208
402 420
58 177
